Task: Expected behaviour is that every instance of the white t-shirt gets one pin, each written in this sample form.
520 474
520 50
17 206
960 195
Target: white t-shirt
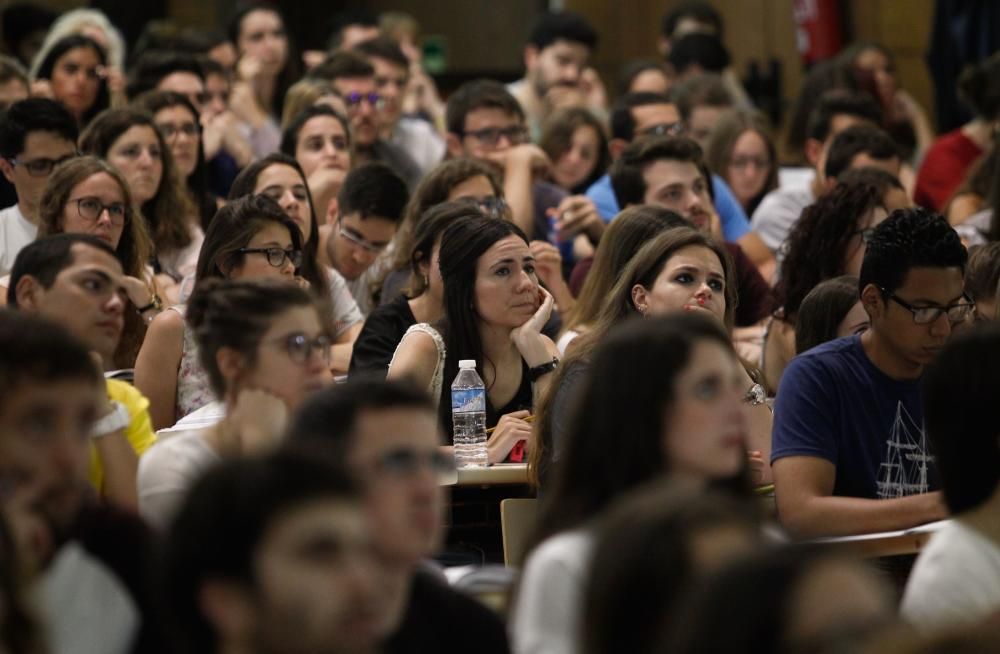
168 469
956 580
547 616
777 213
16 231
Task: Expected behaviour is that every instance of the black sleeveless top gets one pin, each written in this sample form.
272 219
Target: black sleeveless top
523 400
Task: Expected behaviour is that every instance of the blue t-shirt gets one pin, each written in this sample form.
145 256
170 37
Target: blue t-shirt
735 223
834 404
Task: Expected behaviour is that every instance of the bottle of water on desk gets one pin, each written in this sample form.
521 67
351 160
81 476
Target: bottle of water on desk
468 412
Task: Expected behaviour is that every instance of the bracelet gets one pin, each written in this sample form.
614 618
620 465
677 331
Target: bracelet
154 303
538 371
755 395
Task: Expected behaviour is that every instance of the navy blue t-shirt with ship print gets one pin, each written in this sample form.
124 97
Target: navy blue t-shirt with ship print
834 404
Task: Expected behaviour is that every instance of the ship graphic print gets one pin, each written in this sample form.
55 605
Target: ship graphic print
905 466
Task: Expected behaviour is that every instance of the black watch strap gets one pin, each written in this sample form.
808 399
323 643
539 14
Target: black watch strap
544 369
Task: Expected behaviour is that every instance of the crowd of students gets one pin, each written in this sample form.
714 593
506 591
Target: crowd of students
239 281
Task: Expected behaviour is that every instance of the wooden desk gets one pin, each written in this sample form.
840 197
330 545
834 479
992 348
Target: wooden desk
498 474
889 543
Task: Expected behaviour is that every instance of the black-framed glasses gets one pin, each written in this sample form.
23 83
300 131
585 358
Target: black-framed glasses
356 239
300 347
40 167
276 256
958 312
406 462
91 208
490 136
664 129
354 100
170 130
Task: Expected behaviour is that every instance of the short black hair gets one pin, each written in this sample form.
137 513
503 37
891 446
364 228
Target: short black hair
703 50
36 350
344 64
478 94
290 136
154 65
223 520
46 257
564 26
959 388
702 90
344 19
328 417
626 173
910 238
34 115
833 103
622 120
374 190
383 47
856 140
696 9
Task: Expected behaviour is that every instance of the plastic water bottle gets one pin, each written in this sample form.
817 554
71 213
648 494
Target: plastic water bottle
468 414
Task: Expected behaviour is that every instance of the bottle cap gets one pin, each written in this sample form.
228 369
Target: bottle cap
466 363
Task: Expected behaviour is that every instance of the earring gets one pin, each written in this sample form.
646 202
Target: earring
427 280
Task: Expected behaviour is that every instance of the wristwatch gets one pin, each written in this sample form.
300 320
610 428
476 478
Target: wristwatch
154 303
544 369
118 419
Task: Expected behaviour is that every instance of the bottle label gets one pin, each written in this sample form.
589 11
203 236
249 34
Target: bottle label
468 400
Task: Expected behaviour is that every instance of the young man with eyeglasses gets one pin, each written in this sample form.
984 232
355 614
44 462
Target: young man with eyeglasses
353 78
413 133
35 135
370 208
388 434
850 454
76 280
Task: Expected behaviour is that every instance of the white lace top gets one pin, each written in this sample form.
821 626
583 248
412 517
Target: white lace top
437 380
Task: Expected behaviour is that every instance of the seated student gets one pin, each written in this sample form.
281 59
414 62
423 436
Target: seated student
486 123
280 177
850 455
269 551
76 280
956 579
265 348
423 298
982 280
784 600
88 196
781 208
494 311
972 203
389 435
829 240
576 142
678 270
35 135
652 550
87 561
249 238
668 171
741 150
319 138
370 206
831 310
701 99
665 426
629 231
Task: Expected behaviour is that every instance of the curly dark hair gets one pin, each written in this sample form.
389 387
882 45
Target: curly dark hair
910 238
817 245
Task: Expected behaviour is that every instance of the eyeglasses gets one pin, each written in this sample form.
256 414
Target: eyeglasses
664 129
170 130
490 136
40 167
299 346
276 256
492 206
956 313
760 163
91 208
355 239
406 462
354 100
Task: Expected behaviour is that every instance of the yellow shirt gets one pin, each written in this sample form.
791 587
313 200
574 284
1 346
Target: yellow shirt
139 433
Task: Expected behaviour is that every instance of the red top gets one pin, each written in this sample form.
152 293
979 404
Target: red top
944 167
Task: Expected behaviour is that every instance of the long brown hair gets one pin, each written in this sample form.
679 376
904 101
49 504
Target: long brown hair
719 149
618 308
